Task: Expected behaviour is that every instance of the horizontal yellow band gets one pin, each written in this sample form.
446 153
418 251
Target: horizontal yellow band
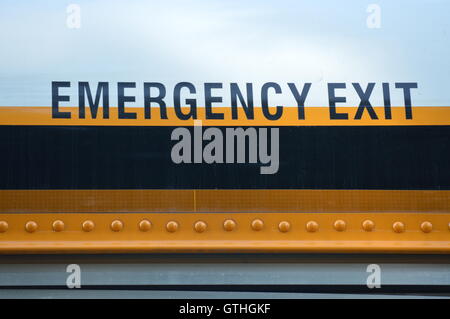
110 221
314 116
219 200
224 232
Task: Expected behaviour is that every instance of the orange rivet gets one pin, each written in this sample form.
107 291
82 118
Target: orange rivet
31 226
116 225
257 224
426 227
340 225
200 226
3 226
284 226
398 227
88 226
368 225
145 225
312 226
229 225
58 225
172 226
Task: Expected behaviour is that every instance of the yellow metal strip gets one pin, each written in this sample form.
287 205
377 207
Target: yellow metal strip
225 232
232 201
314 116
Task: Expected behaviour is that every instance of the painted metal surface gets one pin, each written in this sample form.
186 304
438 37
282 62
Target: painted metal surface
225 232
97 97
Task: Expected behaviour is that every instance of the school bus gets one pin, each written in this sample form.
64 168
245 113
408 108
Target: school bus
202 135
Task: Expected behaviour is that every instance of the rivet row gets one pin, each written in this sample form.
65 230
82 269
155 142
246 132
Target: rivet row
228 225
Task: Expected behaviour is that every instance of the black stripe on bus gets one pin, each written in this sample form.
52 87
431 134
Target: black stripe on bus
319 157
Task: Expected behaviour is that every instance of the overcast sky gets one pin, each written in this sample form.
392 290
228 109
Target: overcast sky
225 41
